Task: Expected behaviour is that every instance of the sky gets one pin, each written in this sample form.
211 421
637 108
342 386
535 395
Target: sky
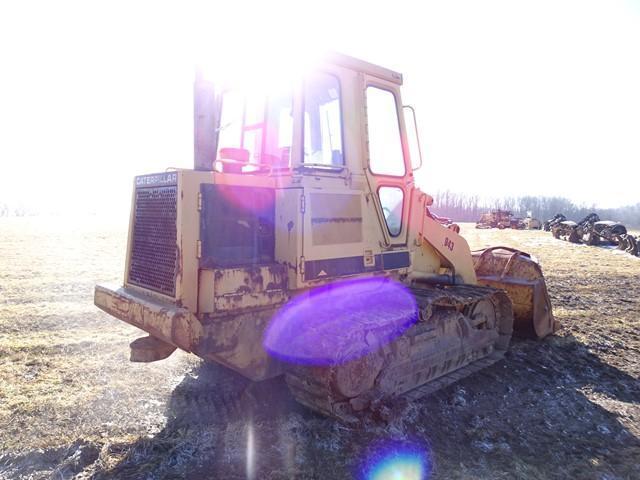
513 97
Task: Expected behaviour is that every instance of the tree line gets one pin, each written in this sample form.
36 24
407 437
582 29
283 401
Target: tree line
468 208
7 210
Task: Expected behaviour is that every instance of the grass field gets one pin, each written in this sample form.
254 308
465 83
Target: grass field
71 404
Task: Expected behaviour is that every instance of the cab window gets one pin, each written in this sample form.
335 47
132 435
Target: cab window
385 144
322 121
256 128
391 200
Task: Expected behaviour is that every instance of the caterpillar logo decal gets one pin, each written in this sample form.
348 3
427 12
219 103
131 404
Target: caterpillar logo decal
170 178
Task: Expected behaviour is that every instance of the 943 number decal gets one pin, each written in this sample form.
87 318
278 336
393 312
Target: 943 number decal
448 243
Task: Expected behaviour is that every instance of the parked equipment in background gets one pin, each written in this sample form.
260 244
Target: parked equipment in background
517 223
552 222
629 244
531 223
499 219
593 231
604 232
573 231
301 246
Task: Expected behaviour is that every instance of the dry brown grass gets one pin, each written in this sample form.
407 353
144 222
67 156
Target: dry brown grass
72 404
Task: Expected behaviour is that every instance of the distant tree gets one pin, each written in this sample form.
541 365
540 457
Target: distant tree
468 208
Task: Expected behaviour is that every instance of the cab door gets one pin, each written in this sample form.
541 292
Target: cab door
388 166
336 214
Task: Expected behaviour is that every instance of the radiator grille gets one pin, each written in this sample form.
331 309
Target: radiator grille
154 250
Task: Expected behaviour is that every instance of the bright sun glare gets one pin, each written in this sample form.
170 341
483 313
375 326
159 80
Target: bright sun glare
259 68
546 91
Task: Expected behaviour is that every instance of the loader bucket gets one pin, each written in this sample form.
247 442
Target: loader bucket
521 277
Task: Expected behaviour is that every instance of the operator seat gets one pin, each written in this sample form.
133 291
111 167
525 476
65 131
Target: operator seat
231 160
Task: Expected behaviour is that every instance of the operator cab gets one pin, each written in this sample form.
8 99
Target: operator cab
338 129
256 129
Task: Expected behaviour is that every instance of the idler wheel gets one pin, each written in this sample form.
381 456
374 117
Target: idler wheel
358 376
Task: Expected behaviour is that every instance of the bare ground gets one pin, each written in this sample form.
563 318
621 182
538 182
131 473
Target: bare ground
71 405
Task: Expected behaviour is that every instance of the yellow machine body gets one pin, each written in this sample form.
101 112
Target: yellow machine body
315 191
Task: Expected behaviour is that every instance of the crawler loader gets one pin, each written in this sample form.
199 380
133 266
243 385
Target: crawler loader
302 208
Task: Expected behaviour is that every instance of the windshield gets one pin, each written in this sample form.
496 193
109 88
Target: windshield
322 121
255 132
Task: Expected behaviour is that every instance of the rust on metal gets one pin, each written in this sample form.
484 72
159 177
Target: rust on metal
458 326
166 322
242 288
521 277
235 340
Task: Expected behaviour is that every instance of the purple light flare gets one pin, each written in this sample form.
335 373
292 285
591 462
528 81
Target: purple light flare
339 322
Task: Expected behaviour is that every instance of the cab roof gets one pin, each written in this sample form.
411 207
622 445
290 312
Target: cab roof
362 66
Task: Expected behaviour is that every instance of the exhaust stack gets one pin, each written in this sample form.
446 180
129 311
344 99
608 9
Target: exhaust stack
205 123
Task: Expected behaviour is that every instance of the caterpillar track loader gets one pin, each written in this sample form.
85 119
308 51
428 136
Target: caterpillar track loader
299 245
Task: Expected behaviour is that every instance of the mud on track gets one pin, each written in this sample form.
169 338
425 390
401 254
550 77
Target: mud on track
71 405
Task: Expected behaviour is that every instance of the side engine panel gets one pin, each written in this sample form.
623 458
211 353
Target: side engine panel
237 226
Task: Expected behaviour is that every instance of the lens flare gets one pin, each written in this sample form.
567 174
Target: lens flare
399 467
397 461
339 322
246 202
251 453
